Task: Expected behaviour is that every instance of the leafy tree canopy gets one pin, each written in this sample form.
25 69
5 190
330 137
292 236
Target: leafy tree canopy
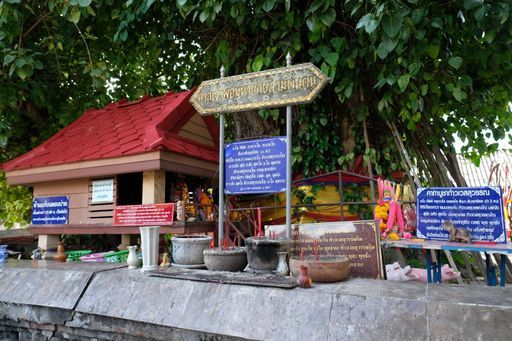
421 69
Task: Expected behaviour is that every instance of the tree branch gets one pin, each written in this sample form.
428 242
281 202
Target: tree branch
88 54
20 40
54 50
34 25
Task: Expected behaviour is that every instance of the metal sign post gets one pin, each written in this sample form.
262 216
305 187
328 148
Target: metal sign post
221 172
288 162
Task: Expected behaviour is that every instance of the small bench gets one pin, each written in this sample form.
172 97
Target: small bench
434 268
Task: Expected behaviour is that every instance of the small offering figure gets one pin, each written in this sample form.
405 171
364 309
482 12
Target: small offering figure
457 234
180 210
205 208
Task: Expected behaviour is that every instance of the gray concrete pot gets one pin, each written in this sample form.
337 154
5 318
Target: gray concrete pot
262 252
188 249
225 260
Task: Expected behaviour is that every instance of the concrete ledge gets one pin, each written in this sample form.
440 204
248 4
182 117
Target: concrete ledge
46 283
231 310
125 304
50 288
357 308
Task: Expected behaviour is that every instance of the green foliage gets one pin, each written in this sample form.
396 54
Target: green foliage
358 193
15 203
432 68
316 145
168 242
305 195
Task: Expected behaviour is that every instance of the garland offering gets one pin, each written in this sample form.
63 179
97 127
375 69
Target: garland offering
389 212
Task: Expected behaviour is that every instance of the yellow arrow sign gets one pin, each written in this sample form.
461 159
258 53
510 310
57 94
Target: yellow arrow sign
284 86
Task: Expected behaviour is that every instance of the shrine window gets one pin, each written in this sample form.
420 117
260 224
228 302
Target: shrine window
129 189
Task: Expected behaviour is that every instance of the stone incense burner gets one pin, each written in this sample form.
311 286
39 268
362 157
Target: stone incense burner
232 259
187 250
262 252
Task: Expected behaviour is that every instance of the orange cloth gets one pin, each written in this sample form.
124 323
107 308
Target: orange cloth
205 202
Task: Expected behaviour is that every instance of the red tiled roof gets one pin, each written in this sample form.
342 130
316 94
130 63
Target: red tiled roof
123 128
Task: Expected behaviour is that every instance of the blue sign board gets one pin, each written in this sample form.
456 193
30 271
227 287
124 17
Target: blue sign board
50 210
255 166
479 209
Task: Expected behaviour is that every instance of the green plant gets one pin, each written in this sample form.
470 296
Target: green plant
15 203
357 193
168 241
305 195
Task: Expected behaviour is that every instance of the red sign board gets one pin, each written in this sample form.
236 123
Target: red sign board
144 215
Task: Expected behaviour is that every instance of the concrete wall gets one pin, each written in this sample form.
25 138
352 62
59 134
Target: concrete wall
102 302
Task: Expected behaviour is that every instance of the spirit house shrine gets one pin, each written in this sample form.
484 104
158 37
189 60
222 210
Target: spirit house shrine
152 150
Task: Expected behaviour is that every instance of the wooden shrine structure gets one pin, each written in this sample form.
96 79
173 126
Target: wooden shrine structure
141 148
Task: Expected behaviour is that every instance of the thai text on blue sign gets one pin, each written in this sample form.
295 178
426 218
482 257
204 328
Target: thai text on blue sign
479 209
50 210
255 166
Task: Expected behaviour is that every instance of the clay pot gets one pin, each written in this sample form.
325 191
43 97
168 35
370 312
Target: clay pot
233 260
60 255
262 252
303 280
324 270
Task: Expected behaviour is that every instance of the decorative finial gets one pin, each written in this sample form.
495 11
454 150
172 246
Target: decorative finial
222 71
288 59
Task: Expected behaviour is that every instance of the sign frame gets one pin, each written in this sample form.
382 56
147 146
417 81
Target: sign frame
265 167
133 215
468 207
287 101
52 204
257 90
358 240
102 186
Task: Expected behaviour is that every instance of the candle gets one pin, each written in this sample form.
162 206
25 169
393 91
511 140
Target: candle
301 254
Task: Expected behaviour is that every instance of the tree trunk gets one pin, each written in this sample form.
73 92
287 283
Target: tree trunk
250 124
348 141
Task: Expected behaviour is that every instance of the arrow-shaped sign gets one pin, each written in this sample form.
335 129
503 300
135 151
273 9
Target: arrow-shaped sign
284 86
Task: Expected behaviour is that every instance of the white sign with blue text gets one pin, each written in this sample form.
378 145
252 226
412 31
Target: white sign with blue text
479 209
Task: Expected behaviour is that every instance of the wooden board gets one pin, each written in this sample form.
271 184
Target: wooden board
64 187
108 228
242 278
358 240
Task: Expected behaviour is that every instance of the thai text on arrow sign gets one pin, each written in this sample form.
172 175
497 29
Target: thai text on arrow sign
265 89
